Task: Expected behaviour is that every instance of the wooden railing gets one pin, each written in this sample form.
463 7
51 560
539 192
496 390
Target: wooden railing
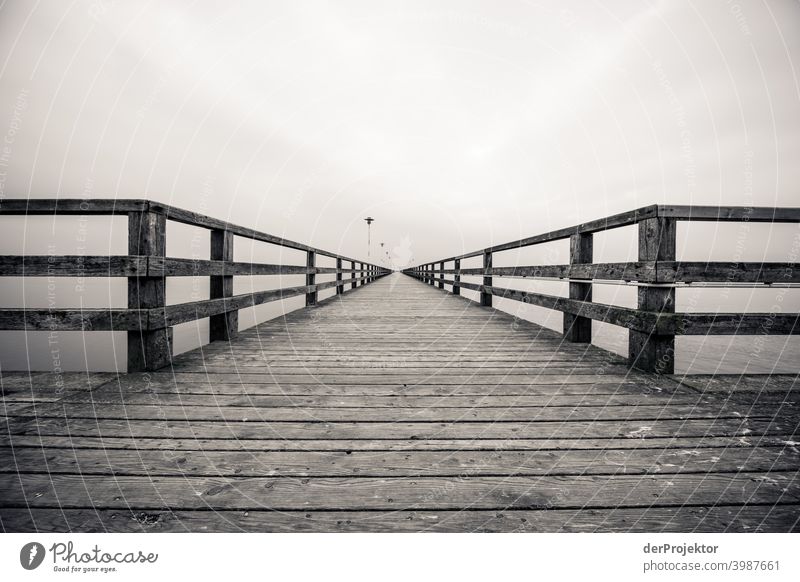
654 324
148 319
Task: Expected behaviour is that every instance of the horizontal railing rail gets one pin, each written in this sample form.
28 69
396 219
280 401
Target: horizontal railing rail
148 319
653 324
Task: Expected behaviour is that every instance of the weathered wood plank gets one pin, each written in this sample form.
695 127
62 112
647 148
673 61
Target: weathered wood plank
70 206
222 326
651 272
782 518
149 348
233 414
577 328
72 266
74 319
363 464
611 429
389 493
201 444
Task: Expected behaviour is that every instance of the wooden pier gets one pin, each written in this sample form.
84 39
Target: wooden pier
390 407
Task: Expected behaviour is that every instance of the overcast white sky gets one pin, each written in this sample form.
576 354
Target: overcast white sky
453 123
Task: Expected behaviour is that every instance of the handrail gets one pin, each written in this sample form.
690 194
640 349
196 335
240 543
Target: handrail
148 319
653 324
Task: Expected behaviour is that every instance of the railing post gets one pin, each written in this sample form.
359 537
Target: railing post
457 277
224 326
311 260
576 327
149 349
486 298
441 275
353 275
339 284
361 274
431 275
647 351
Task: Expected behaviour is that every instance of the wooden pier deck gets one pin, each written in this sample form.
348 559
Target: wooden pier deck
399 407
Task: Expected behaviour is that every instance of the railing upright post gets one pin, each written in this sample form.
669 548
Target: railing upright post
457 277
223 326
311 262
148 349
576 327
486 298
361 274
441 275
646 350
353 275
339 283
431 275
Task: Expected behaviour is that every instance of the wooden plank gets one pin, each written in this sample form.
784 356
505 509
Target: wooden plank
577 328
652 350
486 297
653 272
346 388
202 444
222 326
173 267
389 493
636 271
311 295
363 464
644 412
733 272
732 324
70 206
730 213
612 429
72 266
75 319
781 518
391 401
149 348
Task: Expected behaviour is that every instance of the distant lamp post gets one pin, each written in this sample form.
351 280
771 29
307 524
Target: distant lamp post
369 220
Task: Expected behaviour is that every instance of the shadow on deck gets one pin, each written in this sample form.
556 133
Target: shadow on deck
399 407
